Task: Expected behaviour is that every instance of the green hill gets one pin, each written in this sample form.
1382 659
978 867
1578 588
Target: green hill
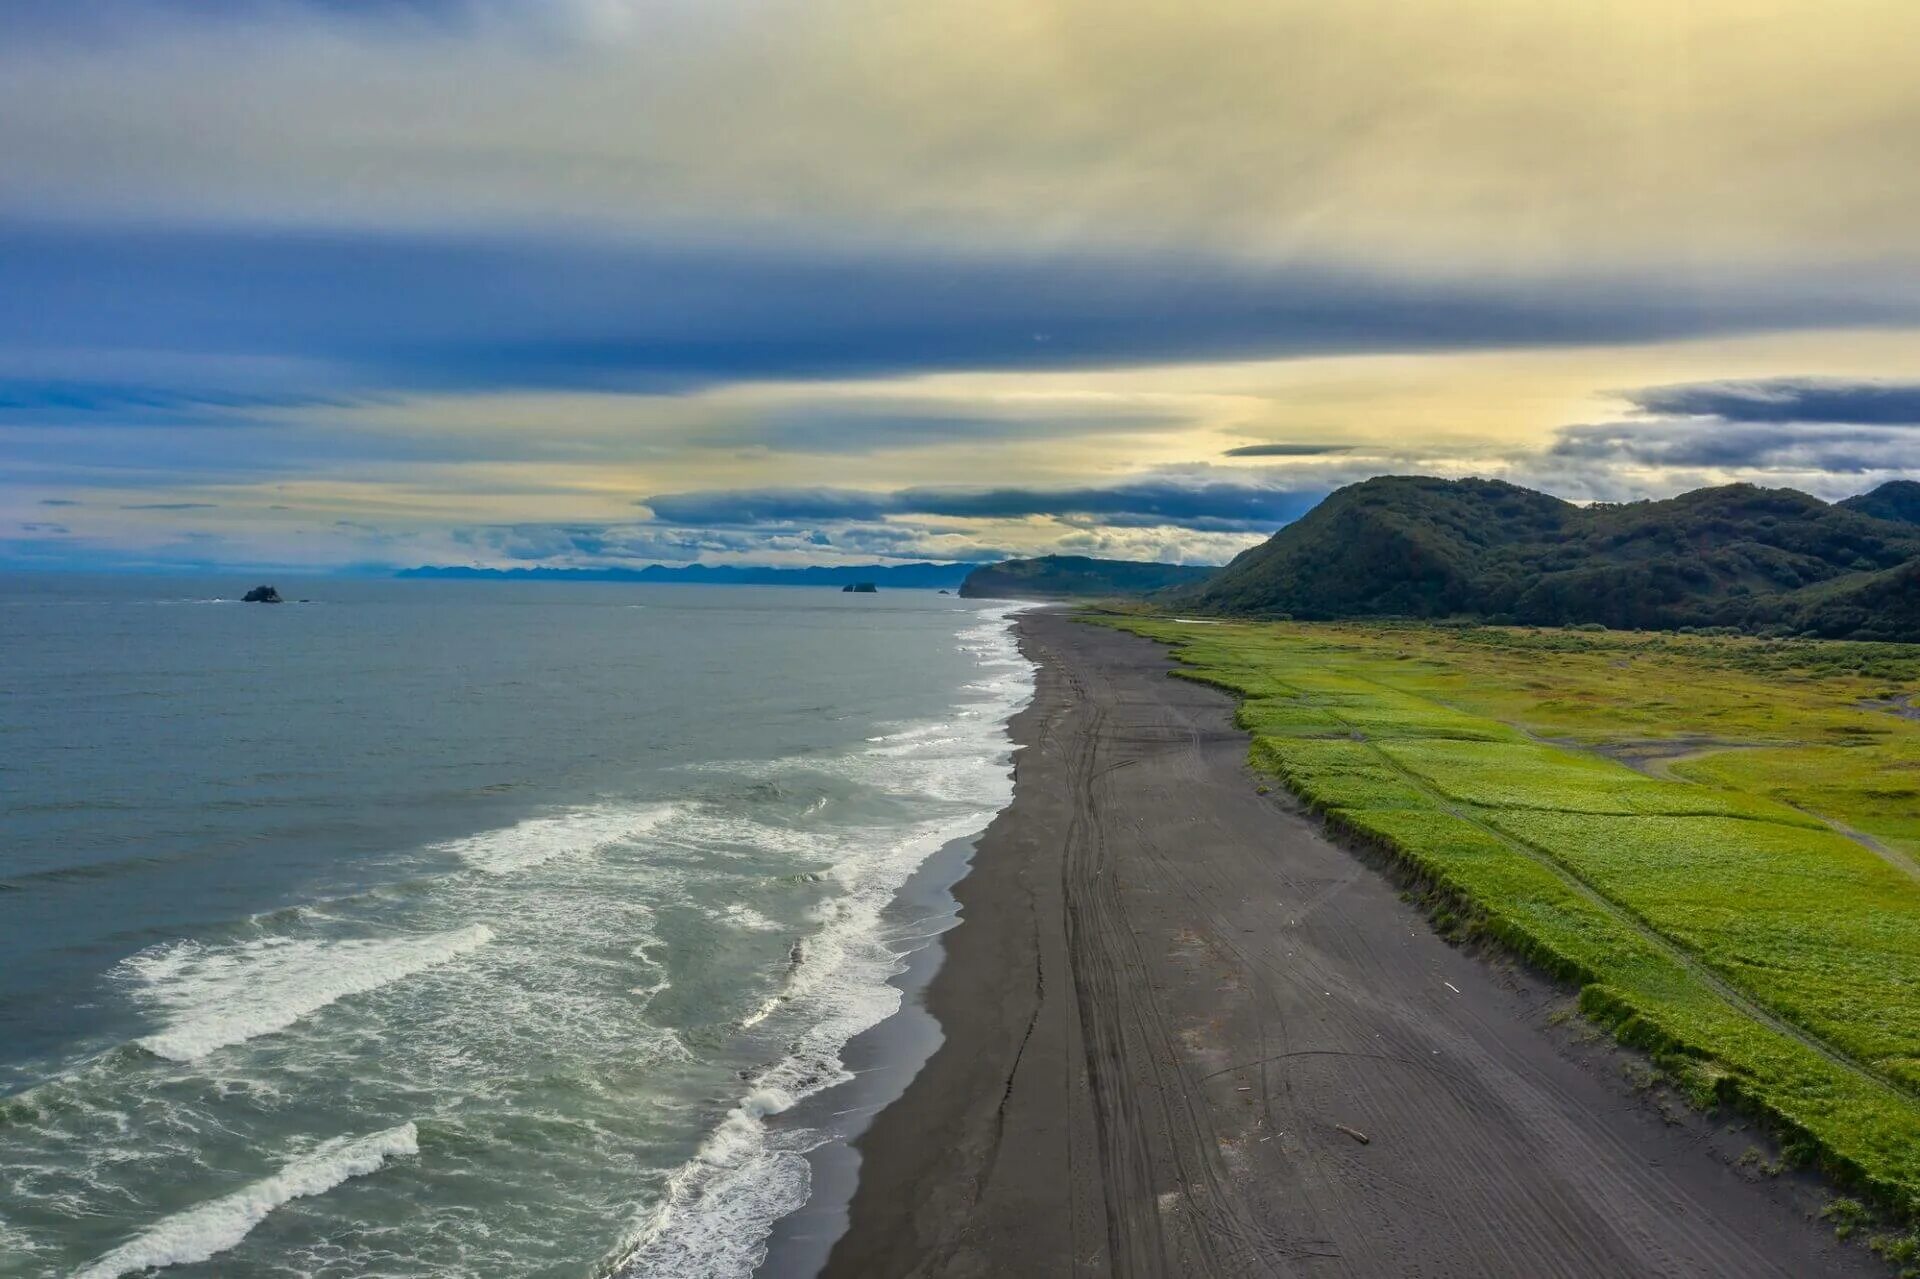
1739 555
1075 576
1895 500
1861 606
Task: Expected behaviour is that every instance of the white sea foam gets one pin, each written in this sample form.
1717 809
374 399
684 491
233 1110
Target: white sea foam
719 1205
741 915
214 1227
527 844
14 1242
213 996
913 733
718 1209
930 740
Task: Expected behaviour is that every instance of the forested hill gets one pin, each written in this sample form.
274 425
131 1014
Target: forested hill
1739 555
1895 500
1069 576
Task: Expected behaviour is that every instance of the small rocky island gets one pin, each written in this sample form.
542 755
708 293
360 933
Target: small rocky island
860 588
262 595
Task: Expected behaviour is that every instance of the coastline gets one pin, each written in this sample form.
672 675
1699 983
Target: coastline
884 1059
1172 1010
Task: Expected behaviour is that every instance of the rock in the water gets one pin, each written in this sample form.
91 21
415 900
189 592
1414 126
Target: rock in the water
860 588
262 595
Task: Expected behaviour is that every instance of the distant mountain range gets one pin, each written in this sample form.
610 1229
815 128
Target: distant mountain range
1068 576
1769 560
917 576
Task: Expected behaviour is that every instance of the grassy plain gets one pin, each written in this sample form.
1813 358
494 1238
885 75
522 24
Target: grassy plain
1715 838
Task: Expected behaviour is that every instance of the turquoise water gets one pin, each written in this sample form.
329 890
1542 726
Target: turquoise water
443 928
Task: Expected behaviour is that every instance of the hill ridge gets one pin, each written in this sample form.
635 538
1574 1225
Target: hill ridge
1738 555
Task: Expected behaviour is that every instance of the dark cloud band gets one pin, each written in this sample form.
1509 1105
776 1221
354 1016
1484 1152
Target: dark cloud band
415 311
1787 400
1720 445
1211 507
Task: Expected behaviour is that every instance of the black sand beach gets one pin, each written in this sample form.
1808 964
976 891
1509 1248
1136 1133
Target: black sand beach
1187 1035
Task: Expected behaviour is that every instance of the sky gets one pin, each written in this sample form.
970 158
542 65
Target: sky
363 284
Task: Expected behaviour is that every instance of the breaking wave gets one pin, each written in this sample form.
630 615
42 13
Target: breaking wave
213 996
541 839
214 1227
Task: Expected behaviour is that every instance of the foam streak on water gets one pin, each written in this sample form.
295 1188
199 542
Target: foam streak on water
213 1228
541 839
212 997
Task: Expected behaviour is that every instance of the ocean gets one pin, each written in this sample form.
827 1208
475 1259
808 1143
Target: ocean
442 928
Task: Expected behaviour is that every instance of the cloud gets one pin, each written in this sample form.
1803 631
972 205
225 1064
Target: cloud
1212 505
1287 450
1168 546
1787 399
590 545
122 403
1207 505
1189 519
169 506
111 23
58 501
371 311
646 543
1782 425
1483 133
593 543
1721 446
850 425
744 508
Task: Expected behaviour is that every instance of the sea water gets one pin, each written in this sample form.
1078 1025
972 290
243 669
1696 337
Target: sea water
434 928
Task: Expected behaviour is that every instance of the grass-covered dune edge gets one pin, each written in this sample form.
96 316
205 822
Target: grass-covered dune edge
1713 840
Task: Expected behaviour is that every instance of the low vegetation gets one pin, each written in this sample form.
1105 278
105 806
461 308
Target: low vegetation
1715 838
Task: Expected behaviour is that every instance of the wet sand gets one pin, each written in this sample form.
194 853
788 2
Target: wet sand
1185 1034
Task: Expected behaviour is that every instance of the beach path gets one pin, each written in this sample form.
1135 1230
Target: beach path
1188 1035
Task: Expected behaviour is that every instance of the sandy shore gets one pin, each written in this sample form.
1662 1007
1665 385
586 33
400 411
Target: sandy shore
1187 1035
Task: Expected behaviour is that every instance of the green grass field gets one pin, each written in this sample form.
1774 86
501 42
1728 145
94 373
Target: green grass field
1715 838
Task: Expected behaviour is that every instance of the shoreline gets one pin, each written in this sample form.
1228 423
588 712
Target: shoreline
1180 1032
883 1059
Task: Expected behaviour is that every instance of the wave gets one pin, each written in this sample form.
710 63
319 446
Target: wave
214 1227
720 1204
216 996
718 1209
541 839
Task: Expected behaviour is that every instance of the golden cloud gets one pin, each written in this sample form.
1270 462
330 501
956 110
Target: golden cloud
1442 136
